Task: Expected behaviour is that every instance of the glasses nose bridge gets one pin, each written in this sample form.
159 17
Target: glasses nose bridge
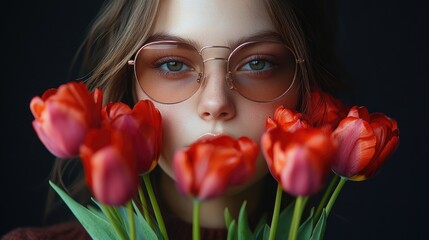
217 53
209 53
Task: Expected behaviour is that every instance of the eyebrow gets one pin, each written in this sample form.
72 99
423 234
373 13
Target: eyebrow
260 36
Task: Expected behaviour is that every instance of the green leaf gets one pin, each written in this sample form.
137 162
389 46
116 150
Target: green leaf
144 231
306 228
123 216
266 235
96 226
285 219
97 211
228 217
118 219
244 232
319 230
260 231
232 231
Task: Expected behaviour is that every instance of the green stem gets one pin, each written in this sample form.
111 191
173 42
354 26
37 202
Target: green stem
335 195
296 218
115 213
144 207
155 206
113 221
196 220
131 221
276 212
322 203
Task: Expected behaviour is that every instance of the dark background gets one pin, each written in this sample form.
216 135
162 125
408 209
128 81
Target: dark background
383 45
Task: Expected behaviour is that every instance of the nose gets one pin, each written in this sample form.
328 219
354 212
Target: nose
215 98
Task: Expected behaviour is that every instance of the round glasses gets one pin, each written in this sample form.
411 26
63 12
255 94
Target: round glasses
171 72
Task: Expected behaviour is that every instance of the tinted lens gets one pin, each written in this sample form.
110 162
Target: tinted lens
262 71
168 72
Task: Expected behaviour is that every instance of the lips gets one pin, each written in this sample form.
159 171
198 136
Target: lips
207 136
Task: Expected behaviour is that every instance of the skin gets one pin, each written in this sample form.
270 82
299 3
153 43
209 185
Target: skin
214 108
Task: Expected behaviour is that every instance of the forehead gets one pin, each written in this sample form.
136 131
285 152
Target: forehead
212 22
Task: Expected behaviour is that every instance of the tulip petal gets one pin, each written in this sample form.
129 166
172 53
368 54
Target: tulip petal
356 146
325 110
299 160
61 130
298 177
183 172
143 123
113 183
209 166
387 135
63 117
109 161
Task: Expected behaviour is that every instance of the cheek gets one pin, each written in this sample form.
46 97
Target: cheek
177 132
171 119
170 133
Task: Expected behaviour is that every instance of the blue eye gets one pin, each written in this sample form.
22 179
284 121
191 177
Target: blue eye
257 65
174 66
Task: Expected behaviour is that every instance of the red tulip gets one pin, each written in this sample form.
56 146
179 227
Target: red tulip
143 123
300 161
208 167
109 160
289 120
365 141
63 117
325 110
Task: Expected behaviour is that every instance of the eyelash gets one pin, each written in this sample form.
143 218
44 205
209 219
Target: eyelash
157 65
252 58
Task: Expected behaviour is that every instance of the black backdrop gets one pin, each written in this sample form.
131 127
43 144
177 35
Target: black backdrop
383 45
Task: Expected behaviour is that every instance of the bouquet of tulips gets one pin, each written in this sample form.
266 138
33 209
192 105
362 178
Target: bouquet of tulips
119 146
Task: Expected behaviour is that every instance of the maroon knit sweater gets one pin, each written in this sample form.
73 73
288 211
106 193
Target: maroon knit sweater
73 230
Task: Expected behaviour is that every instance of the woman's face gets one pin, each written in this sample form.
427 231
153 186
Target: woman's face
214 109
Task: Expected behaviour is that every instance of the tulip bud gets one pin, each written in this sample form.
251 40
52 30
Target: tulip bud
64 116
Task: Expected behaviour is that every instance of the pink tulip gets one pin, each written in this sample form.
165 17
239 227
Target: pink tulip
143 123
300 161
365 141
109 160
64 116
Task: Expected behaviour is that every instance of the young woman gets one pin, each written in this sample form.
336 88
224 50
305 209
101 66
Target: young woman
233 63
